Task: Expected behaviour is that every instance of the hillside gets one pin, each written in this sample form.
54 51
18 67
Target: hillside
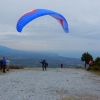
32 59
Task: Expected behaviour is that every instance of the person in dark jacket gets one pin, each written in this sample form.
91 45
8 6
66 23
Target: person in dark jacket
4 64
1 64
44 64
61 65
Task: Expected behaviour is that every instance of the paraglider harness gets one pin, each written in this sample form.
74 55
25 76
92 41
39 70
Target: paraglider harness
44 63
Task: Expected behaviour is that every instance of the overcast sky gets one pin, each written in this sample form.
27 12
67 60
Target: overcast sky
45 33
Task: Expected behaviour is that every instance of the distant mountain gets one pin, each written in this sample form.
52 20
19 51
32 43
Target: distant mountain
32 59
4 49
7 50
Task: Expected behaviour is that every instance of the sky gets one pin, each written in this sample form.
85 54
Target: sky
45 33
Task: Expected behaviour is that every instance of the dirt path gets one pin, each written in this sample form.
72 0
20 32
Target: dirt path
53 84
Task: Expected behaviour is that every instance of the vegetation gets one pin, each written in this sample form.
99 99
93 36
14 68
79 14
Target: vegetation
68 98
16 67
86 57
96 63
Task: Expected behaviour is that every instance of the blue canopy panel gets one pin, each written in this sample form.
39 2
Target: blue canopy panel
29 16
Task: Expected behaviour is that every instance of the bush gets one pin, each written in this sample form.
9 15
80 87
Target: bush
79 67
94 68
89 69
16 67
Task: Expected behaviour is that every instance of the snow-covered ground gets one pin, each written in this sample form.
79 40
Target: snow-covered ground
52 84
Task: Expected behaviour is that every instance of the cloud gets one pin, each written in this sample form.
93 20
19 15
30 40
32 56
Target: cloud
45 33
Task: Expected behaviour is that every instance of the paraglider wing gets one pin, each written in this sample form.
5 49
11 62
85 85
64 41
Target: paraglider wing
29 16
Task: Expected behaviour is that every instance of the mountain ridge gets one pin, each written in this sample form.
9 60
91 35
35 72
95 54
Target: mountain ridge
32 59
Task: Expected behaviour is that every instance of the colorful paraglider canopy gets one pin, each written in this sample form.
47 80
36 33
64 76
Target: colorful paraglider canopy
29 16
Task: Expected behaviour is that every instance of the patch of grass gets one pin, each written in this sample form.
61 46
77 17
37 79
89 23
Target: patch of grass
16 67
79 67
94 69
88 69
81 97
68 98
95 72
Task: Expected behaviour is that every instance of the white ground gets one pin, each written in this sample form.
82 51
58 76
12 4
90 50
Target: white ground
52 84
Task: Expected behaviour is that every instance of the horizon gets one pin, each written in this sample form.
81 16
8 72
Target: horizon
70 54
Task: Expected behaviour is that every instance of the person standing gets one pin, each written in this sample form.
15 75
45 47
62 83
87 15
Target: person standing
43 64
4 64
7 64
1 64
90 63
61 65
